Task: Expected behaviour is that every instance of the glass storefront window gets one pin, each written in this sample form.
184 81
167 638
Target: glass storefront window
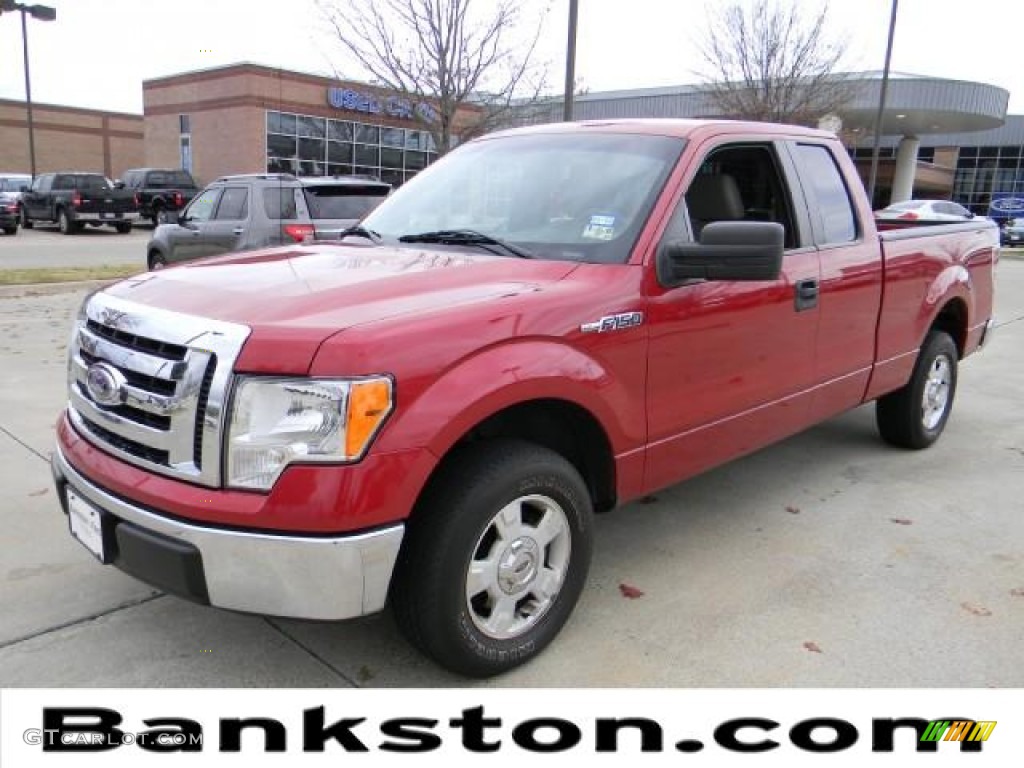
311 149
280 122
340 130
310 145
314 127
339 153
392 137
280 146
367 134
390 158
367 155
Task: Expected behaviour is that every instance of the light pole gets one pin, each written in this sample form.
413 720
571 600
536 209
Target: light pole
570 63
43 13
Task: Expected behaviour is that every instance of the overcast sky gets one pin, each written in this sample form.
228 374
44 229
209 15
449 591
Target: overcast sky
97 52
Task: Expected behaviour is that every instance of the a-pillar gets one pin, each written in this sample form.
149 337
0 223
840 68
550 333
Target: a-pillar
906 166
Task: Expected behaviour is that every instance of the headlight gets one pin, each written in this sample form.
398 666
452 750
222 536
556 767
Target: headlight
277 422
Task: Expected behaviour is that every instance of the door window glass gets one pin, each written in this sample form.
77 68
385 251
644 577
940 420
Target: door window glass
202 208
234 204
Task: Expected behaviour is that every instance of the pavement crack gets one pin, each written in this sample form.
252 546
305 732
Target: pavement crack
310 651
82 620
24 445
1008 322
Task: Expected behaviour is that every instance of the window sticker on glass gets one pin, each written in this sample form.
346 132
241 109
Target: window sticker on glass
601 227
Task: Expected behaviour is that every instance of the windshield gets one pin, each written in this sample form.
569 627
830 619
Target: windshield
583 197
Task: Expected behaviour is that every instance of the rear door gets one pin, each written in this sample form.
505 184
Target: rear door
731 364
850 291
36 200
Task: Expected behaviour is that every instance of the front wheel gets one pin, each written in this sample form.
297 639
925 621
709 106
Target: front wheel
157 260
915 415
26 222
495 557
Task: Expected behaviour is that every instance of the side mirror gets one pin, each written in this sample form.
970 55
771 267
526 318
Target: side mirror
118 184
728 250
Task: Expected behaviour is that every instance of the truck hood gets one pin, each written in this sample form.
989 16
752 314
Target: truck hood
295 298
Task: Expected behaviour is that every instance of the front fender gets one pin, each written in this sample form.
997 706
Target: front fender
509 374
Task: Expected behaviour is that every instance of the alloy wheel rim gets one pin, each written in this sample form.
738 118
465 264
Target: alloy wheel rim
937 386
518 567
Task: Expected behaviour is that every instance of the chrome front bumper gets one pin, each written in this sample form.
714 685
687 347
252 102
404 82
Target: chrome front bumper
279 575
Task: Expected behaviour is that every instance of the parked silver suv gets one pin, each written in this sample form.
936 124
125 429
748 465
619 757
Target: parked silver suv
238 213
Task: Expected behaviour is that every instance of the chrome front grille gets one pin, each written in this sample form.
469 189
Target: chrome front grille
172 374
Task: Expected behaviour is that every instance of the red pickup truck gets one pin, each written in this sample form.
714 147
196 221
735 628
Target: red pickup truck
548 323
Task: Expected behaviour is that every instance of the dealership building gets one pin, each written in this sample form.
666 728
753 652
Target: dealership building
940 138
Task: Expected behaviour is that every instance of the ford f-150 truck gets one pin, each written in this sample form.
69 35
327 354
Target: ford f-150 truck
546 324
75 199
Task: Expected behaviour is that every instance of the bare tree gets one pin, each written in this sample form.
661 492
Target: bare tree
766 61
468 59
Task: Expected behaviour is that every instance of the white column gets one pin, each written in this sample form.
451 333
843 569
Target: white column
906 166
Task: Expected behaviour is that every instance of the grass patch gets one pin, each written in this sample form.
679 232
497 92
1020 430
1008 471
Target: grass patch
66 274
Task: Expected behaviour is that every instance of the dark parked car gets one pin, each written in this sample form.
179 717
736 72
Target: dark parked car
1012 233
162 192
238 213
11 187
72 199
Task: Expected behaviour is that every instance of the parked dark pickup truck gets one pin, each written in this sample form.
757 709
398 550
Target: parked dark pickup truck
161 191
547 323
72 199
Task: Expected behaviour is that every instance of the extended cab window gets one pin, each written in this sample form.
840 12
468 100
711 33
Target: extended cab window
830 198
741 182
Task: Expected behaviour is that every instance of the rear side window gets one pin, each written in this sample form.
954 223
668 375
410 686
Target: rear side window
93 183
64 182
343 201
234 204
835 211
279 203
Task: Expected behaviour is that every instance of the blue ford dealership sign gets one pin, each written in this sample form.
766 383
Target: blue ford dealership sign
1006 205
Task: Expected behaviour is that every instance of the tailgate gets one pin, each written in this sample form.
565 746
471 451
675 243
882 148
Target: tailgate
106 201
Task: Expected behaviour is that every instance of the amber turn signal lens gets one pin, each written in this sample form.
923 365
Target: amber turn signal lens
369 403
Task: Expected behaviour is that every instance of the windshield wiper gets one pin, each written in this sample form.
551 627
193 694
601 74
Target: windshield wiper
359 231
467 237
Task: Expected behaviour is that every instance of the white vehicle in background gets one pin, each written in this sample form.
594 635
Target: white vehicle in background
925 210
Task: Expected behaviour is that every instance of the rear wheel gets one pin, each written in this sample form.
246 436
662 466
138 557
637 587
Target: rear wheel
11 230
123 228
65 224
495 557
915 415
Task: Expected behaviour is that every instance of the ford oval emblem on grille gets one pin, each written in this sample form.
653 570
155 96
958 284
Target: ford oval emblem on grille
105 383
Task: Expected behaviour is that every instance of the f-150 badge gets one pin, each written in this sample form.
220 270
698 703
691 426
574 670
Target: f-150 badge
617 322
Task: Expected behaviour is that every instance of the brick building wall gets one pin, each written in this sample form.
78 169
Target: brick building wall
69 138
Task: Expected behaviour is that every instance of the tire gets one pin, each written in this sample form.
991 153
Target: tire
523 508
11 230
915 415
155 217
123 228
26 223
65 224
156 260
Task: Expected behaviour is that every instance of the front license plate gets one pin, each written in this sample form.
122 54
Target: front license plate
86 524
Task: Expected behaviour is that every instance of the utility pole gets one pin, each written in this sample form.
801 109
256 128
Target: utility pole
570 62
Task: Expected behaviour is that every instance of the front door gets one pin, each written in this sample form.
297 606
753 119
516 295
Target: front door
732 364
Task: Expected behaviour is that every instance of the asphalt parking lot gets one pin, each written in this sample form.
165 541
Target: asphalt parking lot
44 246
828 560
